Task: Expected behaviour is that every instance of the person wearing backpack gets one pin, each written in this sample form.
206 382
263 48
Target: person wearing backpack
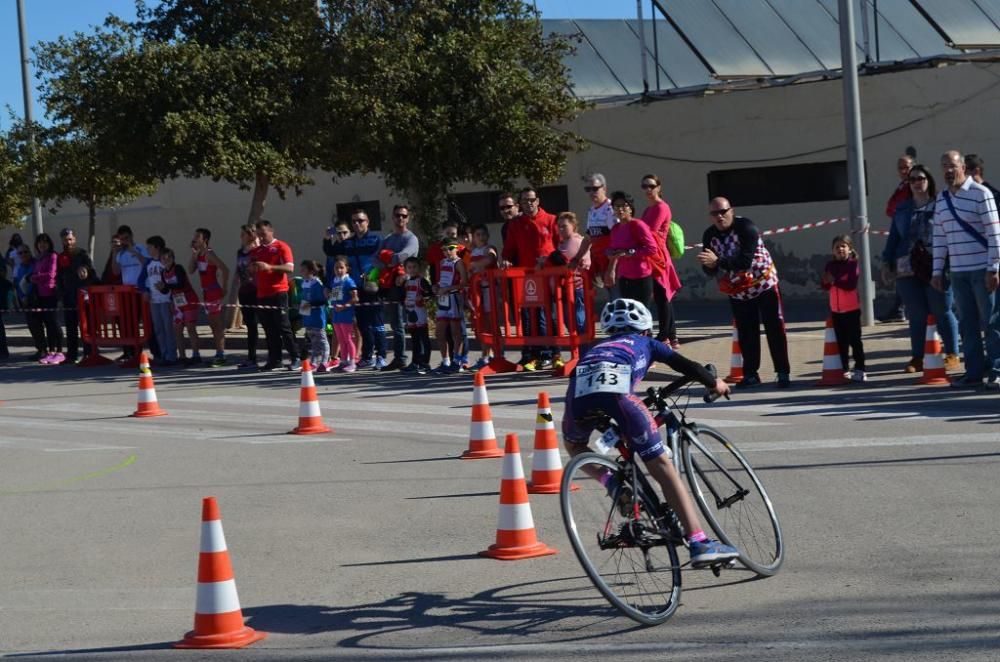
665 279
967 233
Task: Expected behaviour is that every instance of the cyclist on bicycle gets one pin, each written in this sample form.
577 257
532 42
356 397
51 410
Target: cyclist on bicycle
603 385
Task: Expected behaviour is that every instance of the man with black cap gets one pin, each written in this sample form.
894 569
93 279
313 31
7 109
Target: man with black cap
75 270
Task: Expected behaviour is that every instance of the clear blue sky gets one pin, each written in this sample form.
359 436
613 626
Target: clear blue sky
48 19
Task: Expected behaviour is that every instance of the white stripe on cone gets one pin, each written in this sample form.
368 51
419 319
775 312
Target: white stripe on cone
147 395
831 335
514 517
832 362
512 469
217 597
481 431
479 395
309 409
212 537
547 460
307 378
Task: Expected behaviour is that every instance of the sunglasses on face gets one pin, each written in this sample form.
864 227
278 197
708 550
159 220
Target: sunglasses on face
529 201
648 186
592 189
506 207
720 212
918 178
401 215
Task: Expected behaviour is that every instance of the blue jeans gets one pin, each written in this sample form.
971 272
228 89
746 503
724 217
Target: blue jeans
395 315
921 300
163 324
976 308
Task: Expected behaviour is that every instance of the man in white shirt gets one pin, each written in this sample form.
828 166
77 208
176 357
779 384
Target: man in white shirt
967 233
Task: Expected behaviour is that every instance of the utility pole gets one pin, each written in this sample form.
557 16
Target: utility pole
856 159
36 207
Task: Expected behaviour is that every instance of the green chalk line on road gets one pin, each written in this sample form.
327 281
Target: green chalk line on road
130 460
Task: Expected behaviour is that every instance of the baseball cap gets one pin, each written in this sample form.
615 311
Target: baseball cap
451 245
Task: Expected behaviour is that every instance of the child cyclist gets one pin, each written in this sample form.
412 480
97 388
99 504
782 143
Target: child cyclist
622 361
313 311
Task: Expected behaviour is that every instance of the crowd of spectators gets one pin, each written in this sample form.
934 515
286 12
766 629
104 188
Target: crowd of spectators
942 255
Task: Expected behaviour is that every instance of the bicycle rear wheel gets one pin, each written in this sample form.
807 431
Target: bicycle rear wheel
733 499
628 559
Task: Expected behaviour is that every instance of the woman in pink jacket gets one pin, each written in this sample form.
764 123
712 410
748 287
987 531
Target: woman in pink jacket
632 252
666 282
43 276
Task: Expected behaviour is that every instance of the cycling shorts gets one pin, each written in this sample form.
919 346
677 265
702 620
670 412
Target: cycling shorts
636 422
213 301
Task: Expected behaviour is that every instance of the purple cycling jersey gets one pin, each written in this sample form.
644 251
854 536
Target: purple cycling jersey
633 350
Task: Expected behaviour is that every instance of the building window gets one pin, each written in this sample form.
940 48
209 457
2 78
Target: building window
372 208
482 207
781 185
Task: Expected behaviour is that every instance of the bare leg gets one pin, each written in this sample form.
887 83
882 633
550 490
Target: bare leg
215 322
662 469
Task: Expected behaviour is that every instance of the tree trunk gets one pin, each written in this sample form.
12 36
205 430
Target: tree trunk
430 211
260 189
92 226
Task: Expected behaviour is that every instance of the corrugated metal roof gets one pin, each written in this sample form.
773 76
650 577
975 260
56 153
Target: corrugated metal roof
695 43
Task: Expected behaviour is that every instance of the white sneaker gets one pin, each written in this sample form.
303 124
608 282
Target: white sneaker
859 376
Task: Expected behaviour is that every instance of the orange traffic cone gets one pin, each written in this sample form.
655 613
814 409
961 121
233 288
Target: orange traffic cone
516 537
482 438
310 418
833 369
934 371
546 465
735 360
218 619
148 405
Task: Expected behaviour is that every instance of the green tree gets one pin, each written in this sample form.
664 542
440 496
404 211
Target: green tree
235 91
455 90
15 201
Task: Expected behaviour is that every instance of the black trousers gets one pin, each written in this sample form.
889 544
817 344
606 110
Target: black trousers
35 327
749 314
847 326
640 289
248 297
370 325
664 313
420 341
53 332
277 328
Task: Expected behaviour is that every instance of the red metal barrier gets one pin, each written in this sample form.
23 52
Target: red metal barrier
542 293
112 316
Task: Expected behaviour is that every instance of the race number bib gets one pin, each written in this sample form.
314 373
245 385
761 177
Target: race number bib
444 301
202 266
337 294
603 377
180 299
305 308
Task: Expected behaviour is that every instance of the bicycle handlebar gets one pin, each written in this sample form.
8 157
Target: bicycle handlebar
654 395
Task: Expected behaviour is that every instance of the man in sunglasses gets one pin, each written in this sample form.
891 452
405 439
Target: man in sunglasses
530 240
735 255
403 244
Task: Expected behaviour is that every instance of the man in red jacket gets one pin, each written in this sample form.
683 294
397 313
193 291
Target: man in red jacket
529 242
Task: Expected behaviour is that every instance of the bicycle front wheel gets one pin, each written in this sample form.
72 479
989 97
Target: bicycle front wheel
733 499
620 546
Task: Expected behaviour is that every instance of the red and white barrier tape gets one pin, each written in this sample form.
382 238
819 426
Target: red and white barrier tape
810 226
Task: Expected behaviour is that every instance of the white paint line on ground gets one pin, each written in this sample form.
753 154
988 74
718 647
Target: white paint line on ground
867 442
89 448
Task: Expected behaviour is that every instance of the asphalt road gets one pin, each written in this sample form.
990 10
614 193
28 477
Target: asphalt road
362 544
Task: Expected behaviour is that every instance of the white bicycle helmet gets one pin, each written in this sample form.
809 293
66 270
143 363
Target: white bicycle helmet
624 315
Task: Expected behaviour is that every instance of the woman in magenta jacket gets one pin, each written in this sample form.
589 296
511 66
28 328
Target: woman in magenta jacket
666 282
43 276
632 252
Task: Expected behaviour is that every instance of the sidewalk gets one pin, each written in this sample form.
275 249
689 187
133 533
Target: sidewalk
704 330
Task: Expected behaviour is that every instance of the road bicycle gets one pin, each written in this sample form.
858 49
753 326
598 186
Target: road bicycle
626 537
